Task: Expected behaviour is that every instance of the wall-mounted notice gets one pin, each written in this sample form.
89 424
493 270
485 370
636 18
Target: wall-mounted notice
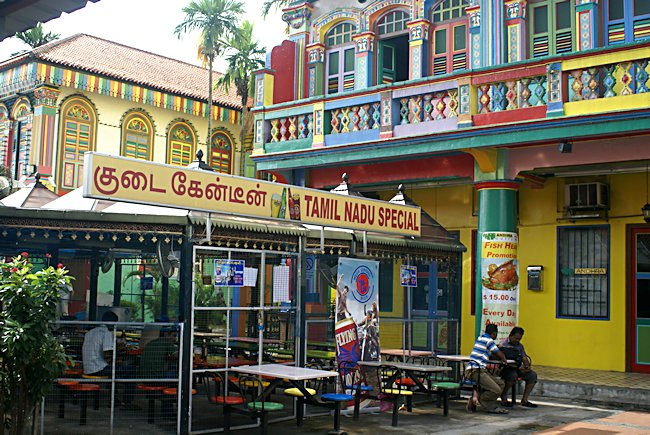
229 273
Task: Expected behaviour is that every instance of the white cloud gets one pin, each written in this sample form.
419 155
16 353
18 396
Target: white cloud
149 25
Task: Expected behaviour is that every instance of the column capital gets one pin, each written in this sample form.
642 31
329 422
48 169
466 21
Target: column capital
315 52
498 184
418 29
46 96
365 42
297 16
515 10
474 16
586 2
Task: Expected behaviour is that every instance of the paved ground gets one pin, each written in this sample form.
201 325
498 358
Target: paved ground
549 418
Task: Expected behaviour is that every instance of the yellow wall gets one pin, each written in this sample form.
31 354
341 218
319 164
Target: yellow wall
391 332
593 344
111 110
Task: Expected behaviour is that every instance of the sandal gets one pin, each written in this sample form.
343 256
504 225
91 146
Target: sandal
507 403
528 404
497 411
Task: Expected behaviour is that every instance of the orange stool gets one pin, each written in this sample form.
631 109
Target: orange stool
62 387
151 392
84 390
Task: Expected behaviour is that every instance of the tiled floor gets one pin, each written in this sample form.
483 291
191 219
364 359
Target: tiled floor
595 377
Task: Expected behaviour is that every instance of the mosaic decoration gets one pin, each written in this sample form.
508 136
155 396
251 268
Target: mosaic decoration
52 75
259 90
259 131
336 15
512 94
296 18
429 107
607 81
464 99
291 128
554 85
45 96
318 122
311 81
386 109
354 118
361 72
316 53
584 32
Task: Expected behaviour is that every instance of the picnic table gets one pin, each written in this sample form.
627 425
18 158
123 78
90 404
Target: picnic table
416 373
393 354
296 376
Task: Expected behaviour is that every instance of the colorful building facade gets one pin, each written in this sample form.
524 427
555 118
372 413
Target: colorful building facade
525 118
84 93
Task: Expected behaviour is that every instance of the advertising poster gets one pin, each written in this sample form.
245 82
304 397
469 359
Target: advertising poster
357 310
408 276
500 280
229 273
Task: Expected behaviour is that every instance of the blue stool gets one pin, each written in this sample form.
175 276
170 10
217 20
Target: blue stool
337 398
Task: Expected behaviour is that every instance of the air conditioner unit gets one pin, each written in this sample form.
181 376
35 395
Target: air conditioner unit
586 196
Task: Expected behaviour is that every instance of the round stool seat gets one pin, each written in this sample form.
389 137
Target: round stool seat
266 406
67 383
446 385
408 382
85 387
295 392
151 387
337 397
255 384
359 387
172 391
397 392
227 400
93 377
73 372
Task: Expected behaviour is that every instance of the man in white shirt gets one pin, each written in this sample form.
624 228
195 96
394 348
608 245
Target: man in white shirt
97 352
97 349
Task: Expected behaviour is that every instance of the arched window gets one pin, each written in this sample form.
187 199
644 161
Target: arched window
137 136
77 134
449 37
393 54
221 147
627 21
340 58
551 23
181 143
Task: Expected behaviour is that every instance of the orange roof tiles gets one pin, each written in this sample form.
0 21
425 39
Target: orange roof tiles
110 59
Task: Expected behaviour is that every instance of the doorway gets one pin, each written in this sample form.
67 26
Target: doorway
639 324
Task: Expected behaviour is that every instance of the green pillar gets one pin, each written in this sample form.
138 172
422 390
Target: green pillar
497 211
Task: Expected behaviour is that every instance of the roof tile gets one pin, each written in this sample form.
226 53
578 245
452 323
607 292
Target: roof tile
110 59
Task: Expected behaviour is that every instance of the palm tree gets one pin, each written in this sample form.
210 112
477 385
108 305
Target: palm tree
36 37
245 57
216 20
273 4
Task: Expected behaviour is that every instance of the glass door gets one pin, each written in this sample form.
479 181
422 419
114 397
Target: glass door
640 315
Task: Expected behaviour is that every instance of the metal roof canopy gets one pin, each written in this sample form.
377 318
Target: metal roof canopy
21 15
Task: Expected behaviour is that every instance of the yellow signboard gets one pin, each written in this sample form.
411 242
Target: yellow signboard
138 181
590 271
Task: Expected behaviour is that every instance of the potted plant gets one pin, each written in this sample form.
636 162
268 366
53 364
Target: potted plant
31 358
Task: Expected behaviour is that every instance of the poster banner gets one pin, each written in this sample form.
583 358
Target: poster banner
500 280
408 276
357 310
142 182
229 273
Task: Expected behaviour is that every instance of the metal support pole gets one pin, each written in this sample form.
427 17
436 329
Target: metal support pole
185 317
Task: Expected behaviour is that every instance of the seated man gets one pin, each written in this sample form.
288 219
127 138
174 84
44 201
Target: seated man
510 374
97 354
160 356
489 385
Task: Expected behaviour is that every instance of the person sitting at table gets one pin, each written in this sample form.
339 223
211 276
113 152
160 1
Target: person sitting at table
510 373
489 385
159 355
97 356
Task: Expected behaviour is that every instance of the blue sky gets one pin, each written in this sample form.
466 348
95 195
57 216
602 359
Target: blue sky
148 25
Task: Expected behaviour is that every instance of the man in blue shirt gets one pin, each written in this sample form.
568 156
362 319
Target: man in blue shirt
489 385
510 374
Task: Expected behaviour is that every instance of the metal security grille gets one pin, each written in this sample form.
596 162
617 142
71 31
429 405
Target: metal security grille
583 278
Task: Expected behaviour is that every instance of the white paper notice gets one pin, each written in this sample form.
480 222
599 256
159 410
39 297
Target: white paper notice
250 277
281 284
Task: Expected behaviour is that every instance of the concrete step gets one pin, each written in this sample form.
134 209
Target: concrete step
601 395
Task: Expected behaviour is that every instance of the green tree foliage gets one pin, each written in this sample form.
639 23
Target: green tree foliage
36 37
31 358
216 20
244 56
273 4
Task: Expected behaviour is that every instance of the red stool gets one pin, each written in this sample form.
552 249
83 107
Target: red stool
151 392
171 394
84 390
62 387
